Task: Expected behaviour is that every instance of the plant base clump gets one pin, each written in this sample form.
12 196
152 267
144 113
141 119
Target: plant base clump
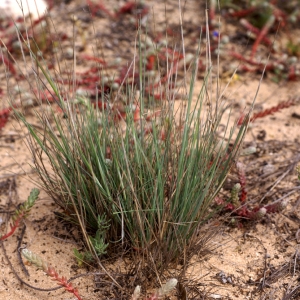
140 178
147 186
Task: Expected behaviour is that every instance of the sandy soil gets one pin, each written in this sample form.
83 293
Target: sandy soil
257 261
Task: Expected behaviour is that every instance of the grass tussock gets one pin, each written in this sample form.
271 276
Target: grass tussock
144 185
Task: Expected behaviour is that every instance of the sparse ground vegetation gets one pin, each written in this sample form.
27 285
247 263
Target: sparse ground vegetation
134 135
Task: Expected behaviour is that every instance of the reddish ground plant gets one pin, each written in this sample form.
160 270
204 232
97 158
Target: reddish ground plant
21 213
237 202
50 271
4 115
270 111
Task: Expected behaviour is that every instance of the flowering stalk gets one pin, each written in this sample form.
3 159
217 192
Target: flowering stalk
21 213
234 199
50 271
